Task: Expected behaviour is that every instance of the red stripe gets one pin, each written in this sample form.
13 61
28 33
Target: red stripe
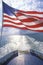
9 17
41 18
12 22
28 20
32 26
35 26
24 28
8 25
22 14
31 12
19 14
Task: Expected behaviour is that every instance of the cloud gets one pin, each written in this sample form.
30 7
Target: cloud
26 5
37 5
10 31
0 4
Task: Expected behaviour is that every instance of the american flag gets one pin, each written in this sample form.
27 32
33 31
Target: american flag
25 20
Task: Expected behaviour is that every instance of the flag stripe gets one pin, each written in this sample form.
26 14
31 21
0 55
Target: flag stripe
16 21
5 16
14 24
24 13
37 17
28 20
35 26
22 26
34 12
19 22
11 22
7 25
30 12
11 16
27 15
32 23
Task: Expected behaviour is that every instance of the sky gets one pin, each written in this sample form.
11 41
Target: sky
27 5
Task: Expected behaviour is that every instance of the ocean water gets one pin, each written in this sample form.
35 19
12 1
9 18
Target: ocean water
19 42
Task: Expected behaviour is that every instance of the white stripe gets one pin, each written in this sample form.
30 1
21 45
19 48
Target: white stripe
32 23
16 21
22 17
38 28
29 16
39 15
13 16
13 24
25 23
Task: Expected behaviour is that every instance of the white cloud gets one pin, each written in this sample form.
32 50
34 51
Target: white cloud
0 4
10 31
25 5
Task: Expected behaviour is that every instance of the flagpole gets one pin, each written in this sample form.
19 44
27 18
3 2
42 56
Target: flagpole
2 23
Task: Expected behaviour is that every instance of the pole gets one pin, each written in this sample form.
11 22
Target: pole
2 23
